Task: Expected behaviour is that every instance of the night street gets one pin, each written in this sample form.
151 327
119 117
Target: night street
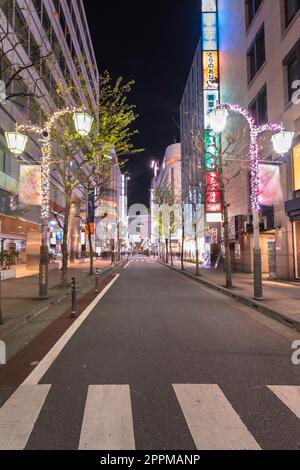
190 368
149 233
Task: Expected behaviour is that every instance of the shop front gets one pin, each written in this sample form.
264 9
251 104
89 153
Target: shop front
293 209
21 240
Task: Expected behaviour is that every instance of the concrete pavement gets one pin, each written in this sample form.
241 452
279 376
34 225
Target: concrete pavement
160 362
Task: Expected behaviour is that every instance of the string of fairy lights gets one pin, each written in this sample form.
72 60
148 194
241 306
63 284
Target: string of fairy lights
44 133
254 132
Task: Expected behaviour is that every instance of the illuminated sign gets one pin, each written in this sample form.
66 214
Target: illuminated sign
213 192
212 181
210 70
212 143
211 99
209 5
209 32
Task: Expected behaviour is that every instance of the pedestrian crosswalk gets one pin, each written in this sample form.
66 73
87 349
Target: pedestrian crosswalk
108 422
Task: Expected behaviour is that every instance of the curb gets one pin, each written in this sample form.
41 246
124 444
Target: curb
280 317
14 325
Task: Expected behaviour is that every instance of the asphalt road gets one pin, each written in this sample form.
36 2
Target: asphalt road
162 363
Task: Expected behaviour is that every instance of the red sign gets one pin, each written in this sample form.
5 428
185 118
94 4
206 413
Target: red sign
212 181
213 192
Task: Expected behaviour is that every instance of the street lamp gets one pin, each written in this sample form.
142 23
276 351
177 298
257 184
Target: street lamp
17 142
217 119
282 142
83 123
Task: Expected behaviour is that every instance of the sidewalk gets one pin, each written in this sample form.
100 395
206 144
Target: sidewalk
282 297
20 299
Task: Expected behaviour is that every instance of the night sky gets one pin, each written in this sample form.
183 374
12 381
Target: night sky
152 42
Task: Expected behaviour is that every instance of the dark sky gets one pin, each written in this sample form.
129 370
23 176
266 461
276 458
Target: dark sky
152 42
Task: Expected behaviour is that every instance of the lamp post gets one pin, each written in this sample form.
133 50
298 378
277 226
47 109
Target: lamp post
282 142
16 143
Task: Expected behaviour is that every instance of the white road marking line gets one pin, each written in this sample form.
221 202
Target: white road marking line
212 421
37 374
107 422
289 395
127 264
19 415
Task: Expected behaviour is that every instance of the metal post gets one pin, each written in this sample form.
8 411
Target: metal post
44 262
74 297
257 264
97 280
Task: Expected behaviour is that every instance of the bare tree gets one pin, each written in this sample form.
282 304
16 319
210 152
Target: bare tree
167 202
94 181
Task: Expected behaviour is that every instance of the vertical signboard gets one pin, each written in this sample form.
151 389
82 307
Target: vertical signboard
211 96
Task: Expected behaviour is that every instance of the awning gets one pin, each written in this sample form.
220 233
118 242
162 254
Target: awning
292 208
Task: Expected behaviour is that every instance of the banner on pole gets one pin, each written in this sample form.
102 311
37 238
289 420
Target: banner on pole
270 191
30 185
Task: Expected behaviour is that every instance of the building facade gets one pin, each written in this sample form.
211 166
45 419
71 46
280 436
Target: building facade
50 38
259 43
167 175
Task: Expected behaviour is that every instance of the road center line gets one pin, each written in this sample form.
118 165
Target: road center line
37 374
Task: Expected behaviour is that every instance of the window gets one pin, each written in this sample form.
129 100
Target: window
292 65
291 7
5 162
21 28
256 54
34 50
259 107
38 7
252 7
47 24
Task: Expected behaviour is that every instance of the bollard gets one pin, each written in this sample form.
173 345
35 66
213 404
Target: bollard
74 298
97 280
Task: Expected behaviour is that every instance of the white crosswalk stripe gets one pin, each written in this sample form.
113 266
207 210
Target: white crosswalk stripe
107 422
289 395
19 415
212 421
